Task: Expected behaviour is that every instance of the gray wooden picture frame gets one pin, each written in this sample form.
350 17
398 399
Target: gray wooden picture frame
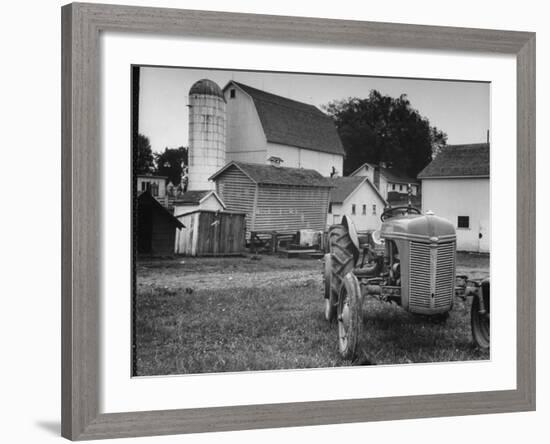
81 166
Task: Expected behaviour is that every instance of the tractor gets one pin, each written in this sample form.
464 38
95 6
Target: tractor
410 261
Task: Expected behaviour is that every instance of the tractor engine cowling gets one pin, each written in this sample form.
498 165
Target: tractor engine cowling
424 249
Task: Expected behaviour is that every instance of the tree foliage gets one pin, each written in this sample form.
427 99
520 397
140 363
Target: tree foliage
170 163
144 162
381 128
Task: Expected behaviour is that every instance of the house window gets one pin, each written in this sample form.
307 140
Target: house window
374 210
353 209
143 186
155 189
393 186
232 93
364 210
463 222
330 208
400 187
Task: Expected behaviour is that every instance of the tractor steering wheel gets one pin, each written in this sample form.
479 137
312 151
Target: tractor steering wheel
390 212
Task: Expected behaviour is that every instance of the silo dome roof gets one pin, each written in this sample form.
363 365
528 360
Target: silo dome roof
206 87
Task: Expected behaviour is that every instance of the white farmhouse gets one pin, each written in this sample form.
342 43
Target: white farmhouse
455 185
358 198
389 181
155 184
261 125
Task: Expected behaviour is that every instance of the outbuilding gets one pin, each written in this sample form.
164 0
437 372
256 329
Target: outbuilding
211 233
197 200
456 186
274 198
156 227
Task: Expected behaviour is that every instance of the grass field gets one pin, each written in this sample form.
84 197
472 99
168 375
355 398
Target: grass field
199 315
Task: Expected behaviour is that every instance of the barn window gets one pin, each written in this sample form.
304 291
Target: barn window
364 210
374 210
232 93
330 208
353 209
463 222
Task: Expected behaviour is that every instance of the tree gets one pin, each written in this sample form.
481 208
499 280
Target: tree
170 163
381 128
144 163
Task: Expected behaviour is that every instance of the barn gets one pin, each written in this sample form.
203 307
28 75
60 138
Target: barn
156 227
274 198
456 186
261 125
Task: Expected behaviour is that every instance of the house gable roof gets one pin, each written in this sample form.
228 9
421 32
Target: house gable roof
272 175
459 161
358 170
145 199
196 197
345 186
289 122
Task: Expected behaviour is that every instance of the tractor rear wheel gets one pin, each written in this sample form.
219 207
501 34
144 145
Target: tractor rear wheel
350 316
342 249
331 289
481 326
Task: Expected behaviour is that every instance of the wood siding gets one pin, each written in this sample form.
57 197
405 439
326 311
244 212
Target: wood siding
211 233
287 209
237 192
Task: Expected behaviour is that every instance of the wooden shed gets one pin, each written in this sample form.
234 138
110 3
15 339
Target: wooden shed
156 227
274 198
211 233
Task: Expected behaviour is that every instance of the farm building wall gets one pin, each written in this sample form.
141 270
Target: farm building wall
284 208
294 157
237 192
211 233
163 235
451 198
246 140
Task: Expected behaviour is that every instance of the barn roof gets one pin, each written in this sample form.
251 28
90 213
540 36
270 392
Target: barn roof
145 199
273 175
294 123
345 186
459 161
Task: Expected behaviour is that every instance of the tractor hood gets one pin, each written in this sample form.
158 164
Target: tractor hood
421 228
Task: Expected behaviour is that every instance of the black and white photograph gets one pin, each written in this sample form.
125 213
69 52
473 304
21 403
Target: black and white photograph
289 221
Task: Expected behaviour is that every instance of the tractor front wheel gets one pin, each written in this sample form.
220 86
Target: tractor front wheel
350 316
481 323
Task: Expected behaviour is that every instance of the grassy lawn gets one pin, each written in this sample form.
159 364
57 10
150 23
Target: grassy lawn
199 315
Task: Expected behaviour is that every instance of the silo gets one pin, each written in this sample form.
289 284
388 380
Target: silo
206 133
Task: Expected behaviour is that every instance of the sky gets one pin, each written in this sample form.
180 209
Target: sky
460 109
